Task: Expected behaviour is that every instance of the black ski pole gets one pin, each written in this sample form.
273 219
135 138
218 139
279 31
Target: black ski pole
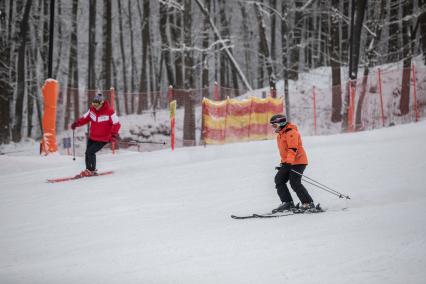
73 146
322 186
148 142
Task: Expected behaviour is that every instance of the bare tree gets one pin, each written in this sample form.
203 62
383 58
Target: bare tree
6 90
224 59
204 58
165 44
355 39
20 92
107 46
408 35
284 46
226 48
189 115
59 36
422 23
175 21
92 45
377 23
394 31
134 70
123 57
336 81
72 90
143 85
264 46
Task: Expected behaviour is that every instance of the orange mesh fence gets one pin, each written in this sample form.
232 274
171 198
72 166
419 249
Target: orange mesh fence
234 120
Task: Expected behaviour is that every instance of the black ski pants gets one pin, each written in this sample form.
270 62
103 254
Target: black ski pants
286 174
91 149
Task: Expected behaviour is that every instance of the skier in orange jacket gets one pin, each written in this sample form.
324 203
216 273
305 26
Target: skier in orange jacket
293 159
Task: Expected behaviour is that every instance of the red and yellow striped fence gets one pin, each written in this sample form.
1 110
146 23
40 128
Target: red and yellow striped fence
235 120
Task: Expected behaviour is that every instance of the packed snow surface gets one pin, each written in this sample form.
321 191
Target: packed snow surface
164 217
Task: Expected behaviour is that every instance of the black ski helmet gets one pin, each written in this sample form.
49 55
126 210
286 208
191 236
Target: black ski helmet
279 119
98 98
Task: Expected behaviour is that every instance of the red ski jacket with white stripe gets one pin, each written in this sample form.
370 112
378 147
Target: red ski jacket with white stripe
104 123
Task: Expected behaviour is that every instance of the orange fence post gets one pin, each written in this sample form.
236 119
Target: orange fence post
315 110
216 91
379 74
50 94
416 112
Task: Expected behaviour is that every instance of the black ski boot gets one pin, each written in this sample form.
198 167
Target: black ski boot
285 206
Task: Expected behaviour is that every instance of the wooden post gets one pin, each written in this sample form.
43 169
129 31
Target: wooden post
416 111
379 74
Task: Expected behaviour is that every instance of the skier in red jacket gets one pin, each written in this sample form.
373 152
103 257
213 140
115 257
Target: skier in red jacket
104 126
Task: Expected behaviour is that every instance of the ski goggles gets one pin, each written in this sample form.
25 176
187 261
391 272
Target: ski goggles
97 103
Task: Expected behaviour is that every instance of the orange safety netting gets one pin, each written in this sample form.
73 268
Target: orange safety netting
234 120
50 94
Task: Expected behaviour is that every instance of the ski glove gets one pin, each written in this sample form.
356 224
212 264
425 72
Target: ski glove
284 166
74 125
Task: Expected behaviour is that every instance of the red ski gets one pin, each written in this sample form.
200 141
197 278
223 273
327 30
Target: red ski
78 177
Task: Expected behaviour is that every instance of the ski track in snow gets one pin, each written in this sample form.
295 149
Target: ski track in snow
164 217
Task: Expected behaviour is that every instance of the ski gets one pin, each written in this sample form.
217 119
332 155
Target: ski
294 211
263 215
55 180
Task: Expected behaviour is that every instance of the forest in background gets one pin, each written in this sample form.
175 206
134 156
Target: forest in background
142 46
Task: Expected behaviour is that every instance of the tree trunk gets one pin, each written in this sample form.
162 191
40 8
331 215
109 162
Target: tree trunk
297 39
165 44
143 87
264 47
72 92
176 35
20 92
134 69
394 31
273 5
377 24
30 96
123 58
358 19
336 81
92 46
224 59
60 39
107 46
189 115
6 90
226 48
407 40
204 58
344 26
284 46
44 50
422 22
246 44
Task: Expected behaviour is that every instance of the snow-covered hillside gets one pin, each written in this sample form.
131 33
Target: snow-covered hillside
164 217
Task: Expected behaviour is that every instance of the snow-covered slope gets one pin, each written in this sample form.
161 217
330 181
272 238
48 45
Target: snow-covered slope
164 217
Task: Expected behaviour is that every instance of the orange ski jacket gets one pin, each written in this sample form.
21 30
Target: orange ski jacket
290 146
